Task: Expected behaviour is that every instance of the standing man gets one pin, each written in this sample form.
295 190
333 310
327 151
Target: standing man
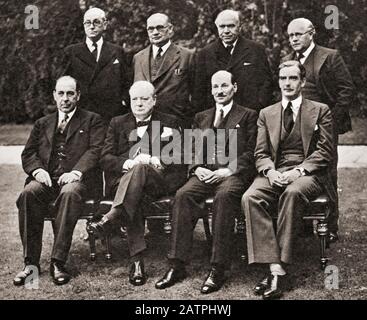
136 170
60 158
327 81
245 59
233 128
168 67
293 153
100 67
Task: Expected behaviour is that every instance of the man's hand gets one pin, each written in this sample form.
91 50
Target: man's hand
129 164
291 175
276 178
142 158
218 175
68 177
156 163
203 173
42 176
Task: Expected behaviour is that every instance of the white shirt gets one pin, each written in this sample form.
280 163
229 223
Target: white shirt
296 104
62 116
307 53
90 46
233 44
225 108
164 49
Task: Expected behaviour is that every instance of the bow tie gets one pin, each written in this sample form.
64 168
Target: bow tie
142 123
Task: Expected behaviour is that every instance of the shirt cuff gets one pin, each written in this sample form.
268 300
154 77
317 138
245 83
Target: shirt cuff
34 173
78 173
127 165
301 170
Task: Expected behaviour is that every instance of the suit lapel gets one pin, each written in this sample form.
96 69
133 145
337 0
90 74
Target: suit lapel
208 119
309 115
105 57
74 124
274 122
83 53
234 117
221 55
51 127
319 59
240 50
171 56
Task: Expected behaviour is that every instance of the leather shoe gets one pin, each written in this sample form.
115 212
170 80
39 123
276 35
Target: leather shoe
275 289
100 228
21 277
59 274
262 285
333 237
214 281
137 276
172 276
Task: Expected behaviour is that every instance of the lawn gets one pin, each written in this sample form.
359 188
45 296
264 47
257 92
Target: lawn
109 280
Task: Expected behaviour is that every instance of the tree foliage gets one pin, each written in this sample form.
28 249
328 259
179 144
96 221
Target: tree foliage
31 59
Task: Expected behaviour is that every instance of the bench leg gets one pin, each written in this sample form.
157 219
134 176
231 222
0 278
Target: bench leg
322 231
208 234
167 226
241 235
108 254
92 243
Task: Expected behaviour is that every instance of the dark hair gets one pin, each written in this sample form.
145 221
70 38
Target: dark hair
294 63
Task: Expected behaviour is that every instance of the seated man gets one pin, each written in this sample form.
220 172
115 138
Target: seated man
293 154
230 129
60 158
134 169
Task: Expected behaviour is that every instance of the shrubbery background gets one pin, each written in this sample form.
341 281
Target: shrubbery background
30 60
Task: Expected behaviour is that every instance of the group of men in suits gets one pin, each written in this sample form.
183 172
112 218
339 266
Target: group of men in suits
291 145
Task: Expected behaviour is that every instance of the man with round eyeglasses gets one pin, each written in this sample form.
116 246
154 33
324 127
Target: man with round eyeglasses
100 67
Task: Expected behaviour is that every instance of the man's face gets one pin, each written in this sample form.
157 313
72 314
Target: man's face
228 28
66 95
222 88
159 30
300 35
290 82
94 25
142 101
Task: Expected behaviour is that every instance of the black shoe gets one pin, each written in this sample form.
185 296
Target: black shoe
21 277
172 276
59 274
333 237
137 276
214 281
275 289
262 285
100 228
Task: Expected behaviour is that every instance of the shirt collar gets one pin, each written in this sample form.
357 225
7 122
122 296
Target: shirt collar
233 44
308 51
62 115
147 119
296 104
89 43
226 108
164 48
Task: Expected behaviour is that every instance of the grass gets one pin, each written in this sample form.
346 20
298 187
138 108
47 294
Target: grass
109 280
13 134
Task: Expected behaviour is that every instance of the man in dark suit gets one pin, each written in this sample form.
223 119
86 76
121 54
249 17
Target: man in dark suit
168 67
138 169
245 59
100 67
229 129
60 158
293 154
327 81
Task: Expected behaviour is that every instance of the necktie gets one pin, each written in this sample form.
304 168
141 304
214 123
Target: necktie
229 49
218 118
299 57
142 123
288 117
159 54
95 51
63 123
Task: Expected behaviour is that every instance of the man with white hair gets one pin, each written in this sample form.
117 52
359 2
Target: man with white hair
244 58
327 81
100 67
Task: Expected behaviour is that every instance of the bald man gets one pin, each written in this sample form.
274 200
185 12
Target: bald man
100 67
327 81
135 170
245 59
230 127
168 67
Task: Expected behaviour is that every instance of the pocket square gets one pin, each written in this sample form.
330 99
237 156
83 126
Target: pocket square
316 128
178 71
167 132
238 126
81 131
247 63
116 61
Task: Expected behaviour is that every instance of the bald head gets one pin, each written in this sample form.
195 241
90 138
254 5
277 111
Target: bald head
159 16
94 23
228 25
301 32
223 87
228 14
95 13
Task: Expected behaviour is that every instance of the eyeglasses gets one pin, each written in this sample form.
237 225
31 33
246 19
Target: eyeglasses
159 28
298 34
96 23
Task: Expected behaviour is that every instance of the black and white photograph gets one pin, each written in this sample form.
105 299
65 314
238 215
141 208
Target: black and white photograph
183 156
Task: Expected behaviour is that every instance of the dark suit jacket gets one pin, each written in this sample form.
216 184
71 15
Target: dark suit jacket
334 83
317 139
173 82
248 64
83 146
243 121
104 84
118 148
